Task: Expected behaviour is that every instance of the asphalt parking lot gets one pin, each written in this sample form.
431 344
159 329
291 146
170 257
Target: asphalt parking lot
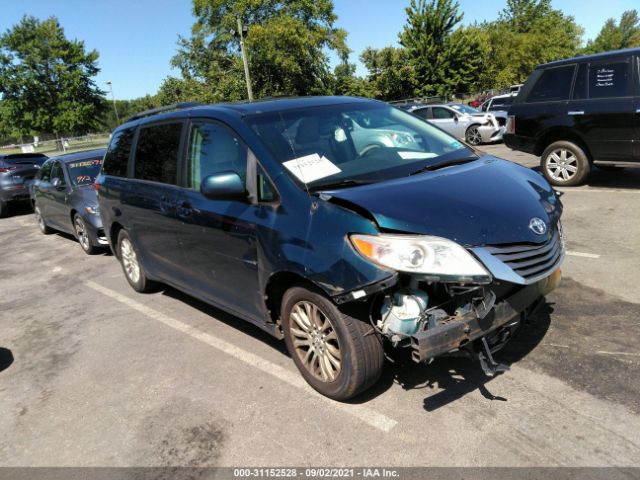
93 374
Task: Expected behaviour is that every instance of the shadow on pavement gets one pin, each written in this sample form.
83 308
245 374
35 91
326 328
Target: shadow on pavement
6 358
17 209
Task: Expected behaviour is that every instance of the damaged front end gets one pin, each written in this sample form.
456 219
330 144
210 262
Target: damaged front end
472 315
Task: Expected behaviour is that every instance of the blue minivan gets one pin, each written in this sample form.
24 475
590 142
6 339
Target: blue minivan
342 225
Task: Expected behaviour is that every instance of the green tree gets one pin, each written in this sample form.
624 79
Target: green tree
347 83
286 41
446 60
615 36
46 80
391 74
526 34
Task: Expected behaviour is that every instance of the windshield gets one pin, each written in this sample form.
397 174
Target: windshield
84 172
353 143
465 108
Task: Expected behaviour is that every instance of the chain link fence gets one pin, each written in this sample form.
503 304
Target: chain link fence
60 145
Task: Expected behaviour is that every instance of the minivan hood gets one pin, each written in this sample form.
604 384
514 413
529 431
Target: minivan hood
484 202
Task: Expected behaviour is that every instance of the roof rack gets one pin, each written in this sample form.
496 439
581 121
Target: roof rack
154 111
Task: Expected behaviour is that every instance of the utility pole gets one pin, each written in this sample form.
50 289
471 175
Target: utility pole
114 100
244 61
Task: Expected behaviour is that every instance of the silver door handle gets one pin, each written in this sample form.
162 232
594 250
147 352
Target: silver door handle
576 112
637 110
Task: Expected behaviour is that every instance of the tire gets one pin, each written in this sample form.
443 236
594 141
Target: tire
84 239
359 354
565 164
131 266
4 209
472 135
42 225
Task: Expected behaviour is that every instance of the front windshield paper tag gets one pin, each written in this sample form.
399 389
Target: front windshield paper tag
416 155
311 167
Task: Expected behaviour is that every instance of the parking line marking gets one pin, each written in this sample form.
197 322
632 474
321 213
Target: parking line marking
582 254
630 354
365 414
597 190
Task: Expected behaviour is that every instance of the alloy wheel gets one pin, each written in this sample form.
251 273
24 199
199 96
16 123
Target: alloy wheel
129 260
315 341
82 234
473 136
562 165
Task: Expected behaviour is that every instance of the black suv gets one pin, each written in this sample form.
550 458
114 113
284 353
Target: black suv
579 112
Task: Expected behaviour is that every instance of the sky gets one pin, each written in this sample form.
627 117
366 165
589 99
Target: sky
137 38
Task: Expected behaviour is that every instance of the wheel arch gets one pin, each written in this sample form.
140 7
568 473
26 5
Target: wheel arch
561 134
276 286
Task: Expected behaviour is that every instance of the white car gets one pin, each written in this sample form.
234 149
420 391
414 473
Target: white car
462 121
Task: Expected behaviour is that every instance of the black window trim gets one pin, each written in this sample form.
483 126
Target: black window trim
131 168
544 70
251 157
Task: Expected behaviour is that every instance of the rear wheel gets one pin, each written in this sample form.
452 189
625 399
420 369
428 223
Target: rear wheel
337 354
83 235
42 225
564 163
133 270
473 136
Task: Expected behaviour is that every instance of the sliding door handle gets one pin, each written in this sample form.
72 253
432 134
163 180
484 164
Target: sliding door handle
576 112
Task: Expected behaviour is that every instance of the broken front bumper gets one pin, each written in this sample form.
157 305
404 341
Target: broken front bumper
456 332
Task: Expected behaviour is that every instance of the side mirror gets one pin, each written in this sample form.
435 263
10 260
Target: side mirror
223 186
57 184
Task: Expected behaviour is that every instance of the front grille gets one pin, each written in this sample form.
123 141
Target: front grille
529 260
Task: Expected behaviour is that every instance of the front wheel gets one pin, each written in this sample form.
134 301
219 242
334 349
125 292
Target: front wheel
473 136
565 164
82 234
338 355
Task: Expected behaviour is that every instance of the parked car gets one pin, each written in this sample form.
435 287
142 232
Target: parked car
580 112
16 173
499 103
500 116
473 127
479 100
64 198
433 247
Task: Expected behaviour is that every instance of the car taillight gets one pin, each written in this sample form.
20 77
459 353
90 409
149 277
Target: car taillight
7 169
511 124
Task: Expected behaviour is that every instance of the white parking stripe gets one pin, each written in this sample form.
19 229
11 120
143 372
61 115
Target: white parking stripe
365 414
582 254
630 354
597 190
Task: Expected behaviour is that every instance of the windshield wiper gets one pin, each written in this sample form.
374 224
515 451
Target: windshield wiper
339 184
446 163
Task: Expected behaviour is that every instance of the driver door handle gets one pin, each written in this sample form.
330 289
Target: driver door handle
576 112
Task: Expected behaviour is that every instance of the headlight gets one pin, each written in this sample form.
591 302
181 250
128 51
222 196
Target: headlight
402 138
435 257
92 210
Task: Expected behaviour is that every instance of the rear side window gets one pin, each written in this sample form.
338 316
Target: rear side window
157 150
422 113
439 112
117 157
501 103
609 80
212 149
553 85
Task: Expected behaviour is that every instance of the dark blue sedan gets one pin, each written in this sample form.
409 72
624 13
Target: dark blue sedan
64 198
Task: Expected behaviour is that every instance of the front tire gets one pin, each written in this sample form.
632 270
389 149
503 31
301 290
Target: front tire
42 225
565 164
472 135
133 270
338 355
82 234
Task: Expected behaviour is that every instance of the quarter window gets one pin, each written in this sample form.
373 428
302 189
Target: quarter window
212 149
117 156
553 85
157 150
266 192
609 80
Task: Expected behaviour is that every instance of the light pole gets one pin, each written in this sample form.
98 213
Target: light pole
241 31
114 100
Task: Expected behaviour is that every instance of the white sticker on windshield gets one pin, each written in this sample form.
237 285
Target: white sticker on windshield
416 155
311 167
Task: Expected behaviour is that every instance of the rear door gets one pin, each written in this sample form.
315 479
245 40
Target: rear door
151 202
603 110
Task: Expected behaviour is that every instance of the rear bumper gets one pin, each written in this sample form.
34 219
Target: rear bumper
490 133
14 193
518 142
459 331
